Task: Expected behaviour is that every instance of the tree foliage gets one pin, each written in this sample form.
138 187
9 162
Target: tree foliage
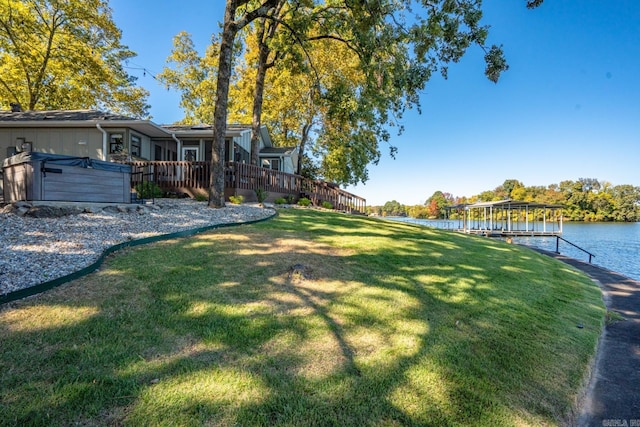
437 204
393 208
586 199
65 55
396 45
193 76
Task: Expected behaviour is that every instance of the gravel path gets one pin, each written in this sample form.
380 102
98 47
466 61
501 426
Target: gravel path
36 250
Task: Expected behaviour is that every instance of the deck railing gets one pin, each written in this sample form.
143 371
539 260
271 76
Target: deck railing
194 176
250 177
172 175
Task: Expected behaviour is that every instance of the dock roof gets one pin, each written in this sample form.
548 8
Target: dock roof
507 204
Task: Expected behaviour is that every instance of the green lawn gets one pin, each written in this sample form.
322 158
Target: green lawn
393 325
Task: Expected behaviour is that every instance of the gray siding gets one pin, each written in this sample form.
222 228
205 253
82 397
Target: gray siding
77 142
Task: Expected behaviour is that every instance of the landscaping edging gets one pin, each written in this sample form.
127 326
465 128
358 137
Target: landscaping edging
45 286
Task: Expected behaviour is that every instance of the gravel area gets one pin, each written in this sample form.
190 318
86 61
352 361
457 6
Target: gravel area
36 249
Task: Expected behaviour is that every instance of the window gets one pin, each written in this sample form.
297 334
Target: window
116 143
136 142
273 164
158 153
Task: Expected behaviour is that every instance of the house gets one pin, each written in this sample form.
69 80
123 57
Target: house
175 157
112 137
195 145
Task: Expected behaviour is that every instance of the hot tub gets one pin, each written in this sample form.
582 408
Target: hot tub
34 176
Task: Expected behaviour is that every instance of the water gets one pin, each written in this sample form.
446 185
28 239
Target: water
616 246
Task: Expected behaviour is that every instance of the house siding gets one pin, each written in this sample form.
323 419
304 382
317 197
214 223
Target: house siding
83 139
244 140
54 141
145 150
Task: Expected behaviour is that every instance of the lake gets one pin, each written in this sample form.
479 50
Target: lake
616 246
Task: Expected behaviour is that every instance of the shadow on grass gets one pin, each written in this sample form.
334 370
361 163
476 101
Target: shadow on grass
396 324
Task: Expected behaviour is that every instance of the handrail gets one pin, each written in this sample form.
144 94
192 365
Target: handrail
558 238
241 176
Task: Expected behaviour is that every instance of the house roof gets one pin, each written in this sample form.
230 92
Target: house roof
280 151
59 115
78 118
91 118
203 129
194 131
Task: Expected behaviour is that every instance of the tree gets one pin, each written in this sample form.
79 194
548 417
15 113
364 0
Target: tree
393 208
627 201
396 56
586 199
65 55
231 25
509 185
193 76
437 204
385 61
418 211
488 196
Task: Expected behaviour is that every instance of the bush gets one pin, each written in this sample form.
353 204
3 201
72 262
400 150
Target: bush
280 201
148 190
202 198
236 200
327 205
291 199
304 202
261 194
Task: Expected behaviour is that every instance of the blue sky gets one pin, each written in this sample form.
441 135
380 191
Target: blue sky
568 107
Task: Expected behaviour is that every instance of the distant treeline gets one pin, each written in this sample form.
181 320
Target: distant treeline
586 199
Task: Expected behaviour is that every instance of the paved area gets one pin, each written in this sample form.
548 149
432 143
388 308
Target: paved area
613 395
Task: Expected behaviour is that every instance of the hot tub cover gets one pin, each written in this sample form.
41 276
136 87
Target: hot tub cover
60 159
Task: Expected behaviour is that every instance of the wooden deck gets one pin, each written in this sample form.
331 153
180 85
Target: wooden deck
242 179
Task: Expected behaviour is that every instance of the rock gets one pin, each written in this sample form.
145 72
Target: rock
21 211
112 209
46 212
23 204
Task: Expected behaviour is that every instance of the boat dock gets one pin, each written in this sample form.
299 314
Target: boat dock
509 218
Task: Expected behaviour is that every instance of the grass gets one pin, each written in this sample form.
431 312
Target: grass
393 325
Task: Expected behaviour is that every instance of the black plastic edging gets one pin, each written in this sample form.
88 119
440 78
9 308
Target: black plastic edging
42 287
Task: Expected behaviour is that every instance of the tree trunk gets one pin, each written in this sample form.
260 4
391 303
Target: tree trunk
303 142
225 63
261 74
